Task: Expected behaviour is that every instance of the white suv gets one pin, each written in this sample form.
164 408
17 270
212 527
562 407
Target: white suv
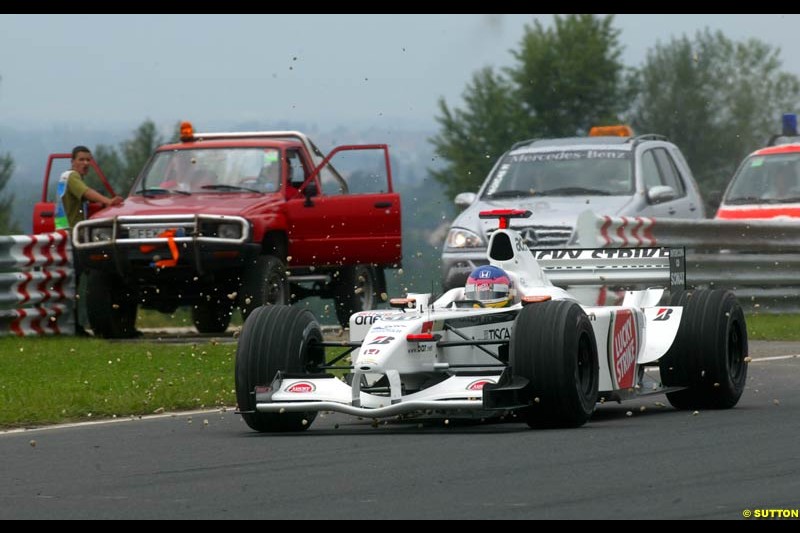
557 179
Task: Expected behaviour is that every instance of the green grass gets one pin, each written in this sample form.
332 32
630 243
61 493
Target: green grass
762 327
182 317
51 380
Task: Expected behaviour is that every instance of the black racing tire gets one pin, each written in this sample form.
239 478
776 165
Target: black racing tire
357 289
553 346
212 314
111 306
275 338
709 353
263 283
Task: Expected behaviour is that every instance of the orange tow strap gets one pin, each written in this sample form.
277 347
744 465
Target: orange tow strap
173 248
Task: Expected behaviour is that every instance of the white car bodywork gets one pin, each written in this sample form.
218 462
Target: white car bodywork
439 355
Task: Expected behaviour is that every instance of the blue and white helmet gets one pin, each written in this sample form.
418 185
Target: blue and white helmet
491 286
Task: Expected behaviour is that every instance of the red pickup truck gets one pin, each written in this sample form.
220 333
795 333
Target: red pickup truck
243 219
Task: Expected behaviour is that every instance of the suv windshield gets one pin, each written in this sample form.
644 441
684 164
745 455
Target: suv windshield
766 179
563 173
212 170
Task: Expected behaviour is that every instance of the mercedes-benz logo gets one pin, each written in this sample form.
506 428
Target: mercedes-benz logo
529 234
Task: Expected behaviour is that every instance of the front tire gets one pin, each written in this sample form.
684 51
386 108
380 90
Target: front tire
709 351
553 346
275 338
111 306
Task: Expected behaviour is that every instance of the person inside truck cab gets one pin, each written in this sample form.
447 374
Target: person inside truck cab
269 178
178 173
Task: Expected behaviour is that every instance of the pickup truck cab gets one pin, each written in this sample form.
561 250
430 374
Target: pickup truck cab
243 219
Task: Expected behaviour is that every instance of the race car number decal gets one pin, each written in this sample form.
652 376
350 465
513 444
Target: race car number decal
301 387
624 348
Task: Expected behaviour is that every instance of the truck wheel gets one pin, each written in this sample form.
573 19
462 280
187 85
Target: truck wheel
111 306
357 289
213 313
709 351
263 283
553 346
275 338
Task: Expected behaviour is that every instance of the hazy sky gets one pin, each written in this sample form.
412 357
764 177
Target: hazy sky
93 70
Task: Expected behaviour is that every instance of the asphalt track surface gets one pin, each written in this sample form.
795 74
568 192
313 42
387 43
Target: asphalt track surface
636 460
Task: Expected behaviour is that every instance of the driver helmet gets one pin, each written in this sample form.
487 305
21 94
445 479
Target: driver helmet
491 286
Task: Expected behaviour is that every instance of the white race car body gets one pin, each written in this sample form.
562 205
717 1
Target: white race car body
627 338
440 355
546 358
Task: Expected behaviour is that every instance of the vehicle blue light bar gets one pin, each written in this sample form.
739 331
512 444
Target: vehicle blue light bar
789 124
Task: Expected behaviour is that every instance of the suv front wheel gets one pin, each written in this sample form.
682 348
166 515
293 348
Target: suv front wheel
111 306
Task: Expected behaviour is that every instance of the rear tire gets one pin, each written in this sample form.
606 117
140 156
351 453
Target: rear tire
553 346
111 306
213 313
275 338
357 289
709 351
263 283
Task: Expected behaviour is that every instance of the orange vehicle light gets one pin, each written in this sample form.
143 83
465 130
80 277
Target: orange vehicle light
619 130
187 131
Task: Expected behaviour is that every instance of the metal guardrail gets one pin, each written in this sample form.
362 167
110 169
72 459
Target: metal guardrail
36 285
593 231
758 259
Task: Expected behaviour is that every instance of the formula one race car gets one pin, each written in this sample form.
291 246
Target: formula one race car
544 357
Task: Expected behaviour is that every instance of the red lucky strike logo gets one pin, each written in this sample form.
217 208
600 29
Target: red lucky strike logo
478 385
624 348
301 387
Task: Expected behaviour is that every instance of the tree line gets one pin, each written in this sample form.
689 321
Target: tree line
716 98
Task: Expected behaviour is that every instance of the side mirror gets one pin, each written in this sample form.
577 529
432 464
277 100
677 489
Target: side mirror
661 193
311 189
309 192
465 199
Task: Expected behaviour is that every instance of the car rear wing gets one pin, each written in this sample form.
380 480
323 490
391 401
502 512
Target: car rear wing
613 266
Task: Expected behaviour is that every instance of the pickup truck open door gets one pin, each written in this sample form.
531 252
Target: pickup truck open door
345 223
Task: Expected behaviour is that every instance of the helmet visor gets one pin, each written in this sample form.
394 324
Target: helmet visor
486 292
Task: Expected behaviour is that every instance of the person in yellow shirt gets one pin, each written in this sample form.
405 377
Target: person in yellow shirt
73 193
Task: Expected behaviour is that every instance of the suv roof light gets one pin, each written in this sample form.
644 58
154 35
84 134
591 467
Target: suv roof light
788 133
187 131
617 130
789 124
